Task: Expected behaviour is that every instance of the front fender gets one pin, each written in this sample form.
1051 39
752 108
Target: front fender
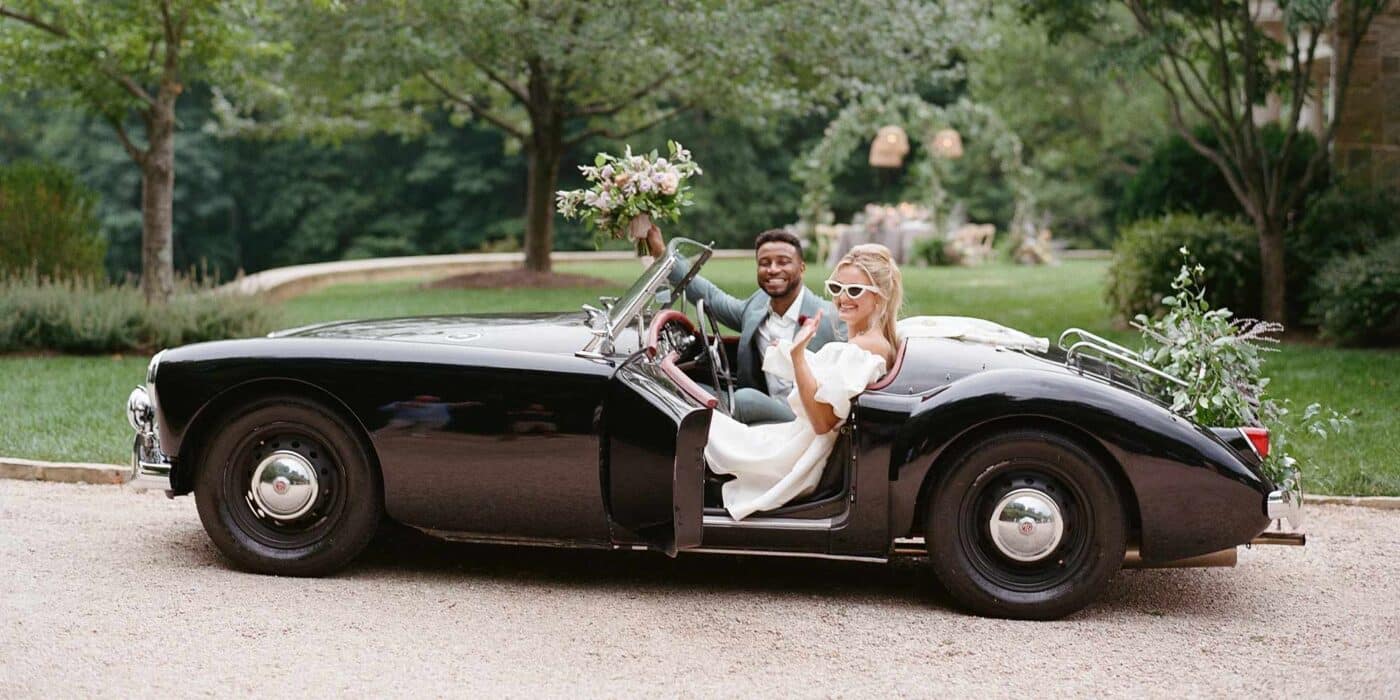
1193 493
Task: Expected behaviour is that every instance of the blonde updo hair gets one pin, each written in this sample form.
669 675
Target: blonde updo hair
876 262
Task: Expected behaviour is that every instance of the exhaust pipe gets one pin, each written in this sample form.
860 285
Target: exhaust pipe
1292 539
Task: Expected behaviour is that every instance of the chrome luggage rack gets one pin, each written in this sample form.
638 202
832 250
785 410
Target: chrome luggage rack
1108 352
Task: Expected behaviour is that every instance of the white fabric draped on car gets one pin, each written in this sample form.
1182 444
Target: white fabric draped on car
971 330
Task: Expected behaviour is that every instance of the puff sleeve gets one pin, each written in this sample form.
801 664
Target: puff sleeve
843 370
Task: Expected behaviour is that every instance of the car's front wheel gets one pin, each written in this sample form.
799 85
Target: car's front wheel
1025 524
287 487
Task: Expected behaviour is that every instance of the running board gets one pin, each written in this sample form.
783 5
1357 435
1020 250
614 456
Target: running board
1132 558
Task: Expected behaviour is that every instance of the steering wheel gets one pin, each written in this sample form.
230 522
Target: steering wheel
719 360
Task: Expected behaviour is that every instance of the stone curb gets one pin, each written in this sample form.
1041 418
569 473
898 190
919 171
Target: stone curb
286 282
65 472
94 473
1377 502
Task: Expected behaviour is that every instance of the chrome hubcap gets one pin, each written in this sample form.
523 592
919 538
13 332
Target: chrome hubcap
284 485
1026 525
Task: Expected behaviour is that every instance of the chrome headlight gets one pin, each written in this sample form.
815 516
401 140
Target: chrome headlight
139 411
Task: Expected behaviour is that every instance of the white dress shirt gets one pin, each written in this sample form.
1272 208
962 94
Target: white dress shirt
779 327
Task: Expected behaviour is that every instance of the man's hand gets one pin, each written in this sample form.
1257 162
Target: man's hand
656 245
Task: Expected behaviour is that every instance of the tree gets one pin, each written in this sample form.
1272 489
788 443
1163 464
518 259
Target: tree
1085 129
121 59
1219 60
552 75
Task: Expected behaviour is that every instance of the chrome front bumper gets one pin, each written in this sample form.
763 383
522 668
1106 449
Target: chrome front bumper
150 468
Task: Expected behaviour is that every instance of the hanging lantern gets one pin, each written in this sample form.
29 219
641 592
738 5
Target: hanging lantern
890 146
947 144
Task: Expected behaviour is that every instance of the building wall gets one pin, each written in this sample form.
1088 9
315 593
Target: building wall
1367 145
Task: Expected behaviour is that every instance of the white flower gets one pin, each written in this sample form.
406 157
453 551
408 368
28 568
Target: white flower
669 183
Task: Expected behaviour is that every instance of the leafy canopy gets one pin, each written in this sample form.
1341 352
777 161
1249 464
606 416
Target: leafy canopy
107 57
592 69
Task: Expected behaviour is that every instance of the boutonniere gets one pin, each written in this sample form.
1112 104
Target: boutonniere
801 320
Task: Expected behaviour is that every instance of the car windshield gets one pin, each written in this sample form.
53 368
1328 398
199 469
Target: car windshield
667 275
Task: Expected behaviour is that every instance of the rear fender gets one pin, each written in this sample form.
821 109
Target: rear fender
1193 493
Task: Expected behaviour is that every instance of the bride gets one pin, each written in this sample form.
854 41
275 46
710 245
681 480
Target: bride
774 463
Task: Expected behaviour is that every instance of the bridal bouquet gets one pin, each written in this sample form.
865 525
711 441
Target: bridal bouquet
629 192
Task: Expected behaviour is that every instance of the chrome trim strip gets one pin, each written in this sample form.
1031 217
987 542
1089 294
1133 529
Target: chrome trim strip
724 521
476 538
795 555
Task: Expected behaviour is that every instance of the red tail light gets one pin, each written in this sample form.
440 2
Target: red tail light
1259 437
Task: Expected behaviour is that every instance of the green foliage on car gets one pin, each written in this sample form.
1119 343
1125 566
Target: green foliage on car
1220 358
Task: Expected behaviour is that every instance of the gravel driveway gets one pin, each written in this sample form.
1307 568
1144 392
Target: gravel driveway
112 593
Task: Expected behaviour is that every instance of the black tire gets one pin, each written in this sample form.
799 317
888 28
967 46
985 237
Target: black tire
343 516
979 573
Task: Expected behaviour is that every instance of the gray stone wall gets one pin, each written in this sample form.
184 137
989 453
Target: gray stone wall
1368 136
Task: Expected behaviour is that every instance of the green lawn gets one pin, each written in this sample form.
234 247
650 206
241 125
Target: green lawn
70 408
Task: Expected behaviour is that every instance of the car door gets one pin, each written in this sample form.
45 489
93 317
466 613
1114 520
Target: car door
654 465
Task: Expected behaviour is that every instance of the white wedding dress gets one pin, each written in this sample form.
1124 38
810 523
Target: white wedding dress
774 463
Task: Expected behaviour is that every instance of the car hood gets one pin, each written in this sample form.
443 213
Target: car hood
550 332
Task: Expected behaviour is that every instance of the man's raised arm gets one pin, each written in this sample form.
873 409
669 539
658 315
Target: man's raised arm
726 308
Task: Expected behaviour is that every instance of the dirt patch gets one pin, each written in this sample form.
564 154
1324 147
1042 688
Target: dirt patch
518 278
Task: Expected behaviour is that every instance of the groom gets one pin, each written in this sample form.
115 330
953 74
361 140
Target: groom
768 315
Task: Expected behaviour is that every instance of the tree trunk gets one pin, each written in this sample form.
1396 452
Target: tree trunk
157 207
1271 270
543 176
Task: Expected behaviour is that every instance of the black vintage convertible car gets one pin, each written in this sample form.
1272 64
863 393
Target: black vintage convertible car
1027 478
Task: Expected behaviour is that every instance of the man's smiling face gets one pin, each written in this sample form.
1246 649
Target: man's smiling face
780 268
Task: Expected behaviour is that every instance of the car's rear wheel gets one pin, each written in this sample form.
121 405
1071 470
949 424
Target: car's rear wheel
1025 524
287 487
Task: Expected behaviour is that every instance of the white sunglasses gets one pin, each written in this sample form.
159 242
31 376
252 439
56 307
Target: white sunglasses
852 291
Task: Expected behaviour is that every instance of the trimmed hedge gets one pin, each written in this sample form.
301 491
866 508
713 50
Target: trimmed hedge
48 223
1147 256
1344 220
86 317
1357 297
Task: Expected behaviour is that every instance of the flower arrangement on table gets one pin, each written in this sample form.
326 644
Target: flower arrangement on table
629 192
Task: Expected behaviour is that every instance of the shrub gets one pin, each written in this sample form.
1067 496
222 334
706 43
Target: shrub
85 316
1147 253
1177 178
932 250
1357 297
1343 220
48 223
